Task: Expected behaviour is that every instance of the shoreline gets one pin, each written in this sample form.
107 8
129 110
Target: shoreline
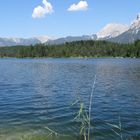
70 58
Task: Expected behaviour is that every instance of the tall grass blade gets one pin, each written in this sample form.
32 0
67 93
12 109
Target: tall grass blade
90 107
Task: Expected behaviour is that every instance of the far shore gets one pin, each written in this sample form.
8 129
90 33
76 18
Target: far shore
106 57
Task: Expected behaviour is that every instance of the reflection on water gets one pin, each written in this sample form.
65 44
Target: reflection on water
37 93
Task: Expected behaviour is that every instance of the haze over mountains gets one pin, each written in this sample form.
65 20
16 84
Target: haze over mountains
114 32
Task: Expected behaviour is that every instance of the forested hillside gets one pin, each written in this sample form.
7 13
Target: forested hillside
74 49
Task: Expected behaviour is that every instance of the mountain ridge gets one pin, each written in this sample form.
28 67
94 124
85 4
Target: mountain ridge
111 30
114 32
131 35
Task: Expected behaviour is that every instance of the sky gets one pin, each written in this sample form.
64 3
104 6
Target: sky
57 18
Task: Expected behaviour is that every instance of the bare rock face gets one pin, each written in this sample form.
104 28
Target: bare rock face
111 30
131 35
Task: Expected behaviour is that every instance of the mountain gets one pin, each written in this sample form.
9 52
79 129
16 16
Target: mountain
72 38
111 30
43 39
23 41
131 35
18 41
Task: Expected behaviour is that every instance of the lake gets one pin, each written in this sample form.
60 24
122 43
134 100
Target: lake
36 95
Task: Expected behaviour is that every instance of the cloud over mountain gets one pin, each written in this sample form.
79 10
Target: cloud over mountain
41 11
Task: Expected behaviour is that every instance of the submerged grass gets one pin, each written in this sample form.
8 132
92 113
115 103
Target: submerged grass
83 115
85 119
45 137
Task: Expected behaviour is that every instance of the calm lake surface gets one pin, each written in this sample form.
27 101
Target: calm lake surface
38 93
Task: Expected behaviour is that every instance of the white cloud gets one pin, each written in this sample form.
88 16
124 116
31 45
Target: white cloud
41 11
81 6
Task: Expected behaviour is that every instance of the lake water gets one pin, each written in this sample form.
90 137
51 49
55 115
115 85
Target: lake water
36 94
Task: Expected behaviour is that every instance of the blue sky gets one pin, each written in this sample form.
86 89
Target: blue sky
16 17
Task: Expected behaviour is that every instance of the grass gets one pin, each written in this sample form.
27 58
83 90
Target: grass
83 115
85 119
45 137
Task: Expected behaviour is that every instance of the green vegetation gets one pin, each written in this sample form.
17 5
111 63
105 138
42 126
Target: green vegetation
83 116
86 129
74 49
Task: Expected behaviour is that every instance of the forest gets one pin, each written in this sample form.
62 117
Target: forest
88 48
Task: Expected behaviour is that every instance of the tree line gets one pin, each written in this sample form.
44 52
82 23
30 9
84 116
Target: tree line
88 48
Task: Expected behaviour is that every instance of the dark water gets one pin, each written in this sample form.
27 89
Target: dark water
37 93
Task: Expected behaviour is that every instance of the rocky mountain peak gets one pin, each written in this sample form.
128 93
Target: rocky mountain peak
112 30
136 23
138 16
